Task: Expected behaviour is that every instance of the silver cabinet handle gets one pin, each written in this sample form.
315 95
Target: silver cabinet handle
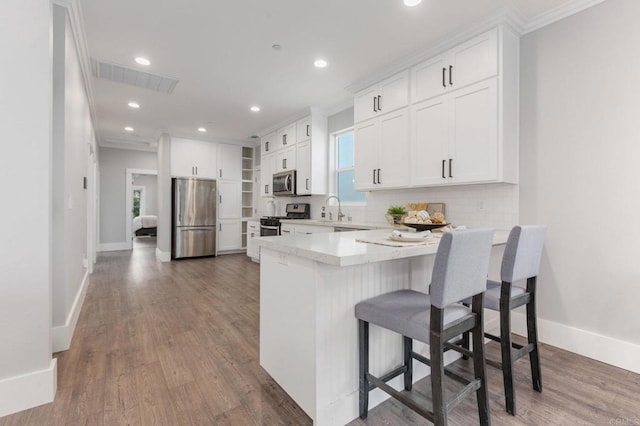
220 172
307 184
220 199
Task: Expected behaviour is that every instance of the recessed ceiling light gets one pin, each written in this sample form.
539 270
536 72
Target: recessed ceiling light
129 129
202 129
134 105
320 63
142 61
276 46
255 108
412 3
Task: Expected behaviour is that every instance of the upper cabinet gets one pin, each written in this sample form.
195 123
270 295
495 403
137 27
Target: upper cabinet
386 96
461 125
192 158
465 64
229 162
301 146
268 143
382 152
286 137
303 129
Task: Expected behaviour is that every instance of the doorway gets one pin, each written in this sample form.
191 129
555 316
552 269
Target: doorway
142 208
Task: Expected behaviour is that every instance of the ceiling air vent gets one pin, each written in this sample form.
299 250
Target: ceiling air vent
133 77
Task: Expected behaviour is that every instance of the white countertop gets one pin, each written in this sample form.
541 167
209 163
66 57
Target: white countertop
342 249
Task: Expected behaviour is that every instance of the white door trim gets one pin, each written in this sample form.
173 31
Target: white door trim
128 205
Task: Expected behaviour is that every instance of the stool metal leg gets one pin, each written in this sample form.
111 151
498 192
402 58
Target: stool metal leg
363 355
408 362
505 344
532 335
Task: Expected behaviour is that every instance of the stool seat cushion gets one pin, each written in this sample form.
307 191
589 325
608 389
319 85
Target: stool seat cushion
406 312
492 295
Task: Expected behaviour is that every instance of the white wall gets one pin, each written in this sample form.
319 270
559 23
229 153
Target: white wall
72 135
150 184
113 164
27 371
580 151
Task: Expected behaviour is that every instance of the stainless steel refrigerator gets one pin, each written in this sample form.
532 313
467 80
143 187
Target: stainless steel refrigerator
194 218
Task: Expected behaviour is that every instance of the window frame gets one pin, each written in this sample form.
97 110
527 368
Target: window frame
333 167
143 206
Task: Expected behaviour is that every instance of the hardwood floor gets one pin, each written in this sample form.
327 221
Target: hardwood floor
177 344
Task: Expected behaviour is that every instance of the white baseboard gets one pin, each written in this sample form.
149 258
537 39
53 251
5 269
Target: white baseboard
28 390
163 256
583 342
62 334
114 246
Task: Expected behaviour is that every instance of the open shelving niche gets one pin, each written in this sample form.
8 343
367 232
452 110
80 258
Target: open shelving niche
247 190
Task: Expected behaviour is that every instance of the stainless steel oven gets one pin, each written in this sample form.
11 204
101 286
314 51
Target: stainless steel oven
284 183
269 226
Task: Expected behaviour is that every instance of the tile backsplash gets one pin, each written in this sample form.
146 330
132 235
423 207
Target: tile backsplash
493 205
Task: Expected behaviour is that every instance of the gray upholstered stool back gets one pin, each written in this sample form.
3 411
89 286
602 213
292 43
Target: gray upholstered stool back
461 266
523 253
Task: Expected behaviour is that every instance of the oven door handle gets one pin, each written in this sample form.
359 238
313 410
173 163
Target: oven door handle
287 183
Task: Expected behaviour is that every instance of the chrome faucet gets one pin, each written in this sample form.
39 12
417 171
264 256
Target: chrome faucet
340 214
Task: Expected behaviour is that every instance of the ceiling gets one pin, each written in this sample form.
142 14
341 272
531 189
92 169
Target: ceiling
221 53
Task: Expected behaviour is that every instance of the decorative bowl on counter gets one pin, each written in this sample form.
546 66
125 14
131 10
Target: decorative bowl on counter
425 226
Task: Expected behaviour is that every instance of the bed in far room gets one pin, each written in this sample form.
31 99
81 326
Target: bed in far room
145 225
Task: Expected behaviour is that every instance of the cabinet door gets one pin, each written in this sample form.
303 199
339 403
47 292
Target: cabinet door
229 162
205 158
430 78
367 140
393 153
229 199
430 142
253 231
182 161
229 235
474 144
269 143
288 229
303 164
364 104
303 131
268 168
394 93
286 159
287 136
475 60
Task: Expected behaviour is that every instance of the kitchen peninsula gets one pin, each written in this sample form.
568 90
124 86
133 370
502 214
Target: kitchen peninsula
309 285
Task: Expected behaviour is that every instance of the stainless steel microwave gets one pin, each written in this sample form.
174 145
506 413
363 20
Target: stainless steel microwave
284 183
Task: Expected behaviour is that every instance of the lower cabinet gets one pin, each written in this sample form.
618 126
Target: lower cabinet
229 235
253 231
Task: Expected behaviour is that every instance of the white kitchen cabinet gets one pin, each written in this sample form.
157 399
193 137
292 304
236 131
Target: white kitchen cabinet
229 199
287 229
253 231
303 129
382 152
384 97
268 143
229 162
286 137
229 235
286 159
456 137
193 158
465 64
303 172
267 170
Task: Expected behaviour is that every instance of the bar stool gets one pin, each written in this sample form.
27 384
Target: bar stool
521 260
460 271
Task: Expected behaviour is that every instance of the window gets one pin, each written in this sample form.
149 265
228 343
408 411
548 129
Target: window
138 201
344 169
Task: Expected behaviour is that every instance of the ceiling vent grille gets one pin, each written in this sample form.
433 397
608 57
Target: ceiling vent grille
133 77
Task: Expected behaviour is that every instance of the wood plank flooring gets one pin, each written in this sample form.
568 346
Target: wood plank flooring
177 344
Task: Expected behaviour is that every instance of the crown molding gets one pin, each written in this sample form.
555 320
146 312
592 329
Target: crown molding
74 13
559 13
